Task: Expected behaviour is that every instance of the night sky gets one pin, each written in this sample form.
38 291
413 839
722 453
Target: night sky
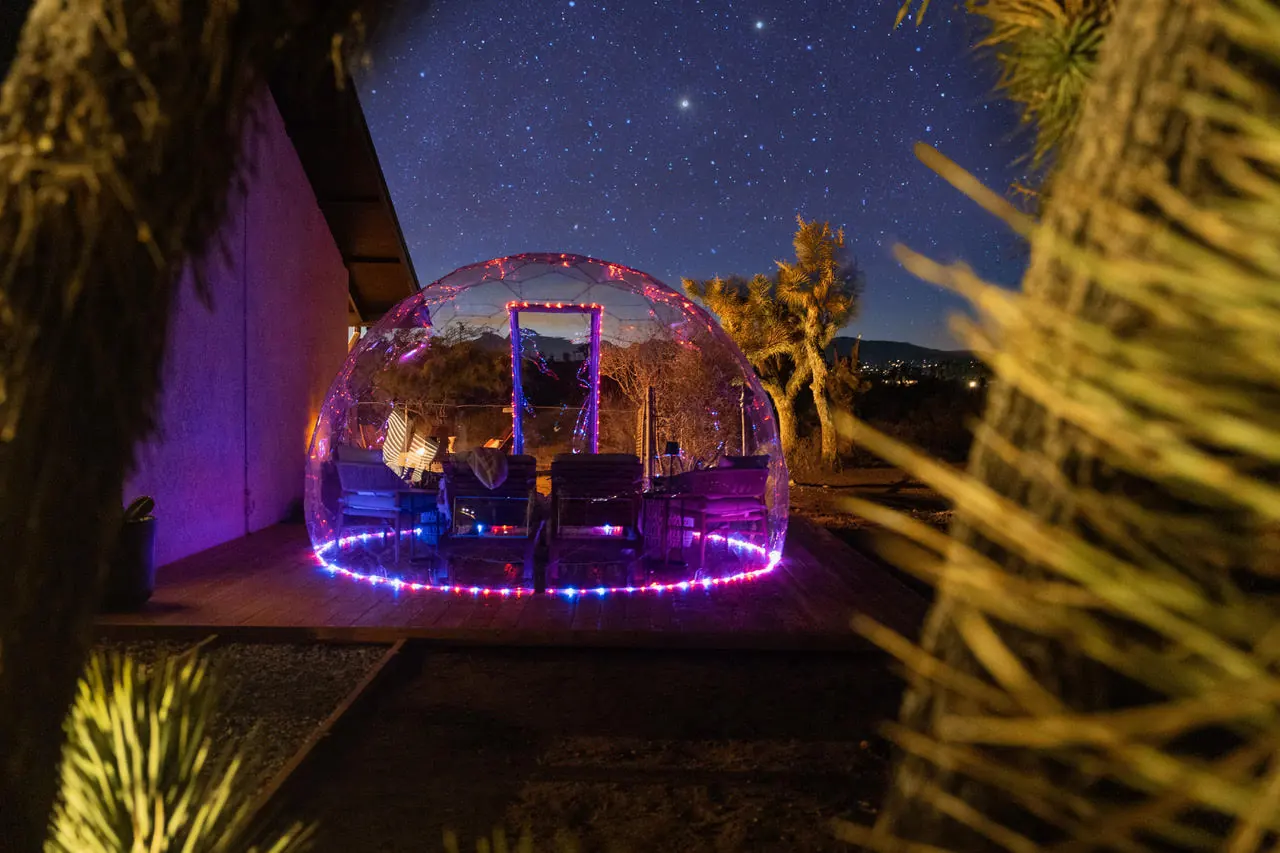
682 138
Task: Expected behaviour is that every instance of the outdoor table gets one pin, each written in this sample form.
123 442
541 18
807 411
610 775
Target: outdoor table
415 503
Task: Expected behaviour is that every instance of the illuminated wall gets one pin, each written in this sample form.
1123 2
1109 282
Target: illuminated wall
243 382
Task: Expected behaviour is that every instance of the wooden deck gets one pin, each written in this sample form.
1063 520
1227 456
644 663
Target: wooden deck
269 586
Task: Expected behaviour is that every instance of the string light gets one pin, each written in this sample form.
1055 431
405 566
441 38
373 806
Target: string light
402 585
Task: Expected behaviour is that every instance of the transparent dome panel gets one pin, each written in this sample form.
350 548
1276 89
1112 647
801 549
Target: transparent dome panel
547 422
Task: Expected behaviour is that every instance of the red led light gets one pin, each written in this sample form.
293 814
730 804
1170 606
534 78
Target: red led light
772 560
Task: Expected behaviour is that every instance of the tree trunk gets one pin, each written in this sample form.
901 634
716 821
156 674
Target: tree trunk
115 174
822 402
641 450
785 406
1131 126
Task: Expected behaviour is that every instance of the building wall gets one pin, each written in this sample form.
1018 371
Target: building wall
244 381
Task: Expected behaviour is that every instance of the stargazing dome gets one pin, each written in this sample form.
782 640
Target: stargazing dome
650 335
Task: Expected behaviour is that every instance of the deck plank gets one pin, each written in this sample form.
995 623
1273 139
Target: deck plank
272 581
586 615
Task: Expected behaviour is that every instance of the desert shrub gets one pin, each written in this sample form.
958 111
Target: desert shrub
141 770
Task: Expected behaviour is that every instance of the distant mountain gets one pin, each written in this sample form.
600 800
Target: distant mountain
883 352
871 353
551 347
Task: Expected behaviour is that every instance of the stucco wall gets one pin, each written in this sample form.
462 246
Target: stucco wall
243 382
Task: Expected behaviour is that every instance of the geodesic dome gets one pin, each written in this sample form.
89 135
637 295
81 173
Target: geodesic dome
435 377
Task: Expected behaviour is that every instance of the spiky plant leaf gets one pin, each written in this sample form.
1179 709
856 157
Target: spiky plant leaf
141 770
1101 670
1047 50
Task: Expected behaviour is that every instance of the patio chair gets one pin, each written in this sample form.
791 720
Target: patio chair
730 498
369 490
595 505
490 521
475 509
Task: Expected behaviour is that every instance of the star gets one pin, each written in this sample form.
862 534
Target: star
557 114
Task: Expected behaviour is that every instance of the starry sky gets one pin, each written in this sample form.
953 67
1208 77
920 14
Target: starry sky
683 138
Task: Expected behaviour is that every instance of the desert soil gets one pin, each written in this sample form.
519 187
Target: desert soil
619 751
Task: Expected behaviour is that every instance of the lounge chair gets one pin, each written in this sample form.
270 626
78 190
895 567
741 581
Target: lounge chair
369 490
595 508
729 498
483 520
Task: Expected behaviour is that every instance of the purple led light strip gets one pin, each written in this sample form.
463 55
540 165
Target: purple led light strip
399 584
593 365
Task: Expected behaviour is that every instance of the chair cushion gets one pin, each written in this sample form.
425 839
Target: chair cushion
348 453
747 462
362 500
724 482
368 478
729 506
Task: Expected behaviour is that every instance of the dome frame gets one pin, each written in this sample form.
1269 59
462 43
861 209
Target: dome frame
619 303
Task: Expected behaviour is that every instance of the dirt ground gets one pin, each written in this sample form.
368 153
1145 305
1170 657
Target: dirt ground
822 503
620 751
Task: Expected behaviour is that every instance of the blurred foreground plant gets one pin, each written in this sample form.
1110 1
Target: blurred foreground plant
1047 51
1100 669
141 770
124 143
498 843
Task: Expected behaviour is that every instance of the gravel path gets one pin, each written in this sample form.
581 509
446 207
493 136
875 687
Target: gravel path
621 751
276 694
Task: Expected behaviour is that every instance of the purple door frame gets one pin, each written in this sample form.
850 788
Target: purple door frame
593 366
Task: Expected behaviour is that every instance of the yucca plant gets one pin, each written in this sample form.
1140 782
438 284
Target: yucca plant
121 152
1099 671
1047 50
141 770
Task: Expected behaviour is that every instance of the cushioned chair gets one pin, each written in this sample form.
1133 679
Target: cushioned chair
590 491
595 506
369 490
510 504
489 524
726 498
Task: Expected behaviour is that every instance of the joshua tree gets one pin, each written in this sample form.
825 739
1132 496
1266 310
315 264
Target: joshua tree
821 287
1047 51
769 335
1098 671
121 130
